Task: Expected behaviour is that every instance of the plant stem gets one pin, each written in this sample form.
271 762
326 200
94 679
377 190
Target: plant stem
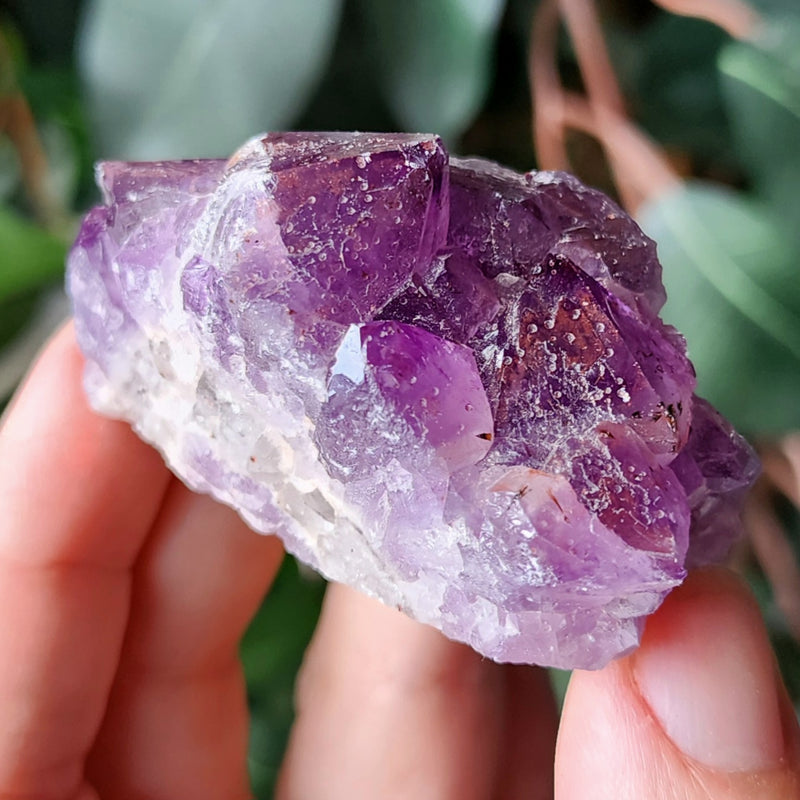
545 88
586 32
774 553
18 123
640 169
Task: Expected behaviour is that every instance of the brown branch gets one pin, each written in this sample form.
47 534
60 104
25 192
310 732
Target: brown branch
778 470
790 448
736 17
545 87
583 23
640 170
740 559
775 554
17 122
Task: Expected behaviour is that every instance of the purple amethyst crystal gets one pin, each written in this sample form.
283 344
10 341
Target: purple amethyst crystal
437 380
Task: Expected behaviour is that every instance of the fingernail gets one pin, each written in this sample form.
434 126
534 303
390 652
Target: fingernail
707 673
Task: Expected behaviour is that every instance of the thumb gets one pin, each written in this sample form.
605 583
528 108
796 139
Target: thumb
697 712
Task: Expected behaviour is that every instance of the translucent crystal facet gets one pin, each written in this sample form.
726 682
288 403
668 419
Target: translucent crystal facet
437 380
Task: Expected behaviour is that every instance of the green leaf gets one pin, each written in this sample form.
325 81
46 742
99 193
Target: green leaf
31 257
673 75
55 98
192 78
48 27
731 275
434 59
761 87
14 315
272 651
775 7
349 96
9 168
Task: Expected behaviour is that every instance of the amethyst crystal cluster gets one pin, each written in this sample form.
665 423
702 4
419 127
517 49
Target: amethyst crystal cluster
437 380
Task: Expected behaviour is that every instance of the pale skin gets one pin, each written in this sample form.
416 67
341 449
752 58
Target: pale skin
123 597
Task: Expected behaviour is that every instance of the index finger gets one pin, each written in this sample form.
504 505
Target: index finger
78 494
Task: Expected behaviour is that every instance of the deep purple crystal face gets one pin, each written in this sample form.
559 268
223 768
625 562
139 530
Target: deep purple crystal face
438 380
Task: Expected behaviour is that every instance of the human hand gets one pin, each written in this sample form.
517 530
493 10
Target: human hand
123 597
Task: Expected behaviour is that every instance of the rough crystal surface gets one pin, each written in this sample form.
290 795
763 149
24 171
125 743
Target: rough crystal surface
436 379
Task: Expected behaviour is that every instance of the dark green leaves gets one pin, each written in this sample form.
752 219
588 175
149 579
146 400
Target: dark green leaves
732 261
761 84
48 27
31 257
197 77
731 272
272 651
30 260
673 66
434 59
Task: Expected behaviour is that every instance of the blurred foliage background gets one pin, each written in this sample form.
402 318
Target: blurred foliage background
694 124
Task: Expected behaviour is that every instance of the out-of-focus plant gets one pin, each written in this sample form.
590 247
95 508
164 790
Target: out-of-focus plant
688 110
191 79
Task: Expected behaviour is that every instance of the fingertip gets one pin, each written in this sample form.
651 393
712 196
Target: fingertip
706 671
697 711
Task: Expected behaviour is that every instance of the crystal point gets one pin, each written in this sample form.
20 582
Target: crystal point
436 379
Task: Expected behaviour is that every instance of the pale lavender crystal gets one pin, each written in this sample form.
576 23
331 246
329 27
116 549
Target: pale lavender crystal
436 379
